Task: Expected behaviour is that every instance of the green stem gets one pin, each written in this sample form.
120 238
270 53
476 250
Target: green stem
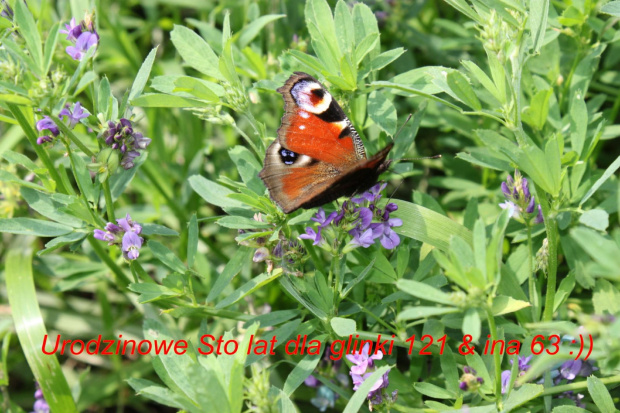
69 134
496 359
552 266
40 151
109 203
121 279
531 281
582 385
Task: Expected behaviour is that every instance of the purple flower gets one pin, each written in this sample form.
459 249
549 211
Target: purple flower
312 381
85 41
469 381
364 239
322 219
570 369
389 239
125 234
505 380
363 359
73 115
312 235
261 254
372 195
40 405
539 217
42 139
524 363
131 245
47 123
519 201
128 159
72 30
121 136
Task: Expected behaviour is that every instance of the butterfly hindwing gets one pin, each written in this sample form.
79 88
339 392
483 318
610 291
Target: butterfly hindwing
318 155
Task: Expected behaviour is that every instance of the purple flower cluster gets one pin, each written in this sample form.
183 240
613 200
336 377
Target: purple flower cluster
83 36
72 116
469 381
40 405
519 201
356 216
524 366
126 233
362 361
569 371
121 136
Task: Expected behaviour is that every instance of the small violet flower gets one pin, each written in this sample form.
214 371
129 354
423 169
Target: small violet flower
48 124
362 361
523 363
40 405
73 115
519 201
83 36
126 234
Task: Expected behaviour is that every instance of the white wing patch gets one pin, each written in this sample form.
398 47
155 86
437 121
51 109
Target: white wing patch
302 93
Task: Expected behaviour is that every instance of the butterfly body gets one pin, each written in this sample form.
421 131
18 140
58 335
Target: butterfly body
318 155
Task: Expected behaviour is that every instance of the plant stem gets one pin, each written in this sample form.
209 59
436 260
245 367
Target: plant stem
109 203
582 385
496 359
531 281
121 279
552 266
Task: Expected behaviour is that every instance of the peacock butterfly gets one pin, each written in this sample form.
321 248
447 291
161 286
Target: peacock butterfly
318 155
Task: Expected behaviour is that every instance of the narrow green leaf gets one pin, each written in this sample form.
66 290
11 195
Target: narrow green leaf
249 32
344 327
414 313
595 218
463 90
424 291
30 33
31 331
37 227
433 391
503 305
302 370
613 8
232 268
213 193
382 112
248 288
471 323
167 257
611 169
537 22
600 395
50 46
143 75
523 394
159 100
195 51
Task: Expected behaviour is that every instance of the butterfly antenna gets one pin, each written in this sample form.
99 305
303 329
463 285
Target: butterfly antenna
402 126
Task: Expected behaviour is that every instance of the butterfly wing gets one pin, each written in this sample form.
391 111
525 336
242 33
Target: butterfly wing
316 150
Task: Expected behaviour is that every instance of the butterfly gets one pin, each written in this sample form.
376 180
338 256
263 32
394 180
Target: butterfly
318 155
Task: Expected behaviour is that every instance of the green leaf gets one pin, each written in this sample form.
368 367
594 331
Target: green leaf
600 395
237 222
595 218
503 305
385 59
463 90
143 75
156 229
248 288
160 100
578 122
536 114
523 394
344 327
195 51
482 77
428 226
364 47
302 370
382 112
436 392
249 32
611 169
414 313
613 8
50 46
30 329
36 227
167 257
537 22
248 167
30 33
320 23
213 193
82 175
46 206
161 395
104 96
471 323
345 30
149 292
424 291
232 268
360 395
